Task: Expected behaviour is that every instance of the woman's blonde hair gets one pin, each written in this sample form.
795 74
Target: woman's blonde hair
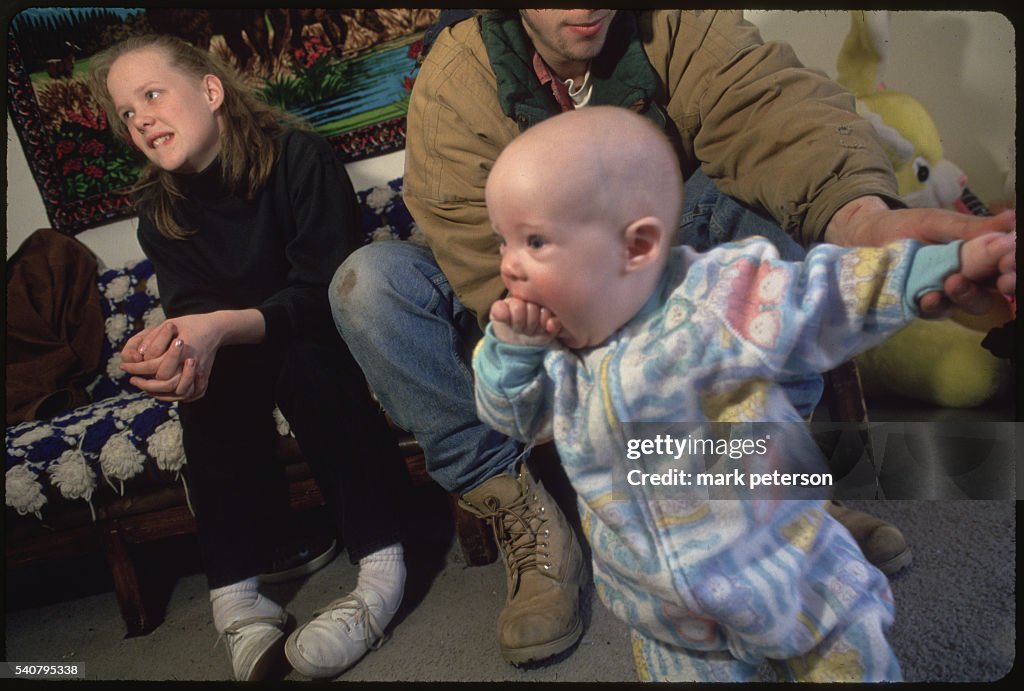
247 150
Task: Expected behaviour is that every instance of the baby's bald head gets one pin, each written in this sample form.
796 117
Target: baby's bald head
587 204
600 160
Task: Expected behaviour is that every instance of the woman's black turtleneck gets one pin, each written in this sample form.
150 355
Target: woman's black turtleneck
276 253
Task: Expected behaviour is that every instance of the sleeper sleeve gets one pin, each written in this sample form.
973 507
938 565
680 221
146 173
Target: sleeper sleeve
513 391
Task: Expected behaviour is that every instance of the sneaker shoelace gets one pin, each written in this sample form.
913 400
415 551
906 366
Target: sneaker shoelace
236 627
353 612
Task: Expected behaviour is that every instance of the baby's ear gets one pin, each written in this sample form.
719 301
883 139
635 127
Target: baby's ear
644 242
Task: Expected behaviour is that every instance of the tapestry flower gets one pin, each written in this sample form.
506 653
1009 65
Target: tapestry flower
72 165
94 147
311 51
64 147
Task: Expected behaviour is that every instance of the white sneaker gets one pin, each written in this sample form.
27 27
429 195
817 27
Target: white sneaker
254 645
339 635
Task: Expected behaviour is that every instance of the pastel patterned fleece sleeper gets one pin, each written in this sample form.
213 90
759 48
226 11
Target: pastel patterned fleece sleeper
711 588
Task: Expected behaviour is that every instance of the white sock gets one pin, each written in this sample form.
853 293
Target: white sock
240 601
383 572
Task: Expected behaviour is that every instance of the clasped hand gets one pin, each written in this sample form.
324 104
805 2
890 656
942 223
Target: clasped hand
172 361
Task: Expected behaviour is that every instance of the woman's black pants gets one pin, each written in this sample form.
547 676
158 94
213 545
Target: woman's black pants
237 484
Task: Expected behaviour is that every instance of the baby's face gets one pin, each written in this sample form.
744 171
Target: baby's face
568 266
577 238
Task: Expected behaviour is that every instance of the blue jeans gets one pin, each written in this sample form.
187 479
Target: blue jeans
414 339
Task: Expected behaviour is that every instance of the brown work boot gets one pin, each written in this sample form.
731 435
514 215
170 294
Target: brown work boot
543 565
882 543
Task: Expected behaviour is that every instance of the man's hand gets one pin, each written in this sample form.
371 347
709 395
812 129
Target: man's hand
868 221
520 322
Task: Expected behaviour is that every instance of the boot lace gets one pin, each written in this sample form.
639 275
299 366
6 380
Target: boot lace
517 527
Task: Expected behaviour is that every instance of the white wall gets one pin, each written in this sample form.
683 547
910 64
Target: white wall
960 65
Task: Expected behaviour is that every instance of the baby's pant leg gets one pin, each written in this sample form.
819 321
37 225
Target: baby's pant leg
860 652
803 595
839 631
659 661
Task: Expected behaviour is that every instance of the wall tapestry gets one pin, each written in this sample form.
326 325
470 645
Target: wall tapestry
348 72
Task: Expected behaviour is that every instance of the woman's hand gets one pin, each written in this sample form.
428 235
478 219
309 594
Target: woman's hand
173 361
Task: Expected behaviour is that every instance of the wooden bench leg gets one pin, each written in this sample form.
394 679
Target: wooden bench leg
126 579
474 535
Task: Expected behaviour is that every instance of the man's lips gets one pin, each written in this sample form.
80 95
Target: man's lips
589 29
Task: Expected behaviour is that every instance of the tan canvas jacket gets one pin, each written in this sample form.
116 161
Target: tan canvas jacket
768 131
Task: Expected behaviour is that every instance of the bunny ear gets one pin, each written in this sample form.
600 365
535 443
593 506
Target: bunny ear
865 52
877 26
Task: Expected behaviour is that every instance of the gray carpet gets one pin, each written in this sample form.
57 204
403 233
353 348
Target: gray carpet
955 610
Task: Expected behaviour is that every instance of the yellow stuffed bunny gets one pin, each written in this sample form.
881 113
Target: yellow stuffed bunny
937 361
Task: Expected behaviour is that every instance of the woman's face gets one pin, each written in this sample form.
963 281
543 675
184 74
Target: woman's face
171 116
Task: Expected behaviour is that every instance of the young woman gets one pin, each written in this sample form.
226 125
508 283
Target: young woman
246 218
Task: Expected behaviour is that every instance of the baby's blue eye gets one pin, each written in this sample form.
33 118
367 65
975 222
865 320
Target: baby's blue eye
535 242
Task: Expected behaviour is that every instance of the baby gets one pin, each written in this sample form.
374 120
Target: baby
607 324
